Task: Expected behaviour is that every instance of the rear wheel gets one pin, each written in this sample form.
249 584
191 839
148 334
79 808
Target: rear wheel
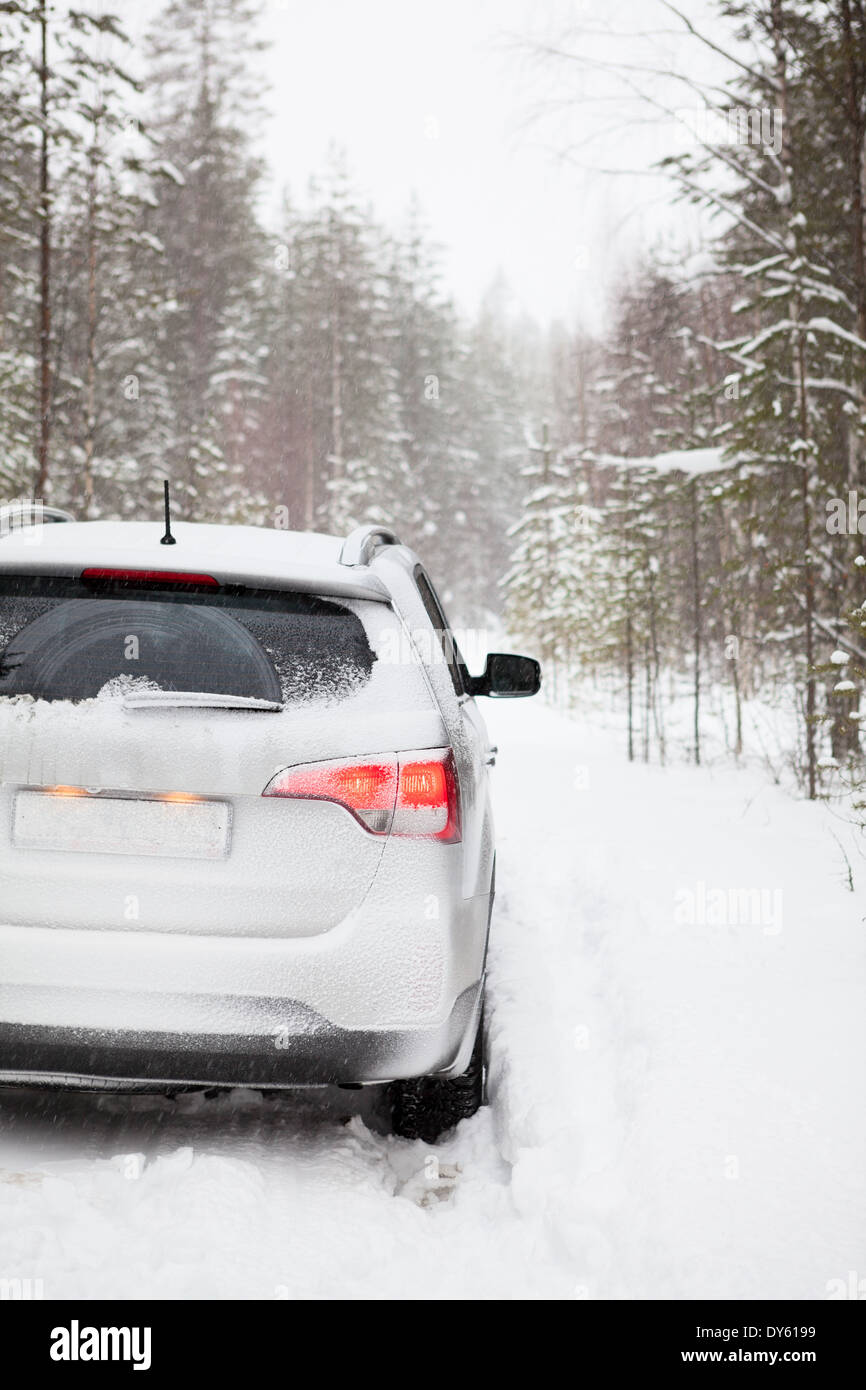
427 1106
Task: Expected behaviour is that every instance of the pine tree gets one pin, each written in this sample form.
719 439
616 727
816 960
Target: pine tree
58 80
489 451
426 356
204 352
331 386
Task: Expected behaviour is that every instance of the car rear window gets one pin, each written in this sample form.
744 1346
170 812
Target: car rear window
64 639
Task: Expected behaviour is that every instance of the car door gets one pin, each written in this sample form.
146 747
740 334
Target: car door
472 749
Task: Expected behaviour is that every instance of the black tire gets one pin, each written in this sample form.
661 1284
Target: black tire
426 1107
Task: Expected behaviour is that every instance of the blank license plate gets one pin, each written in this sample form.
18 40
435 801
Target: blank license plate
121 825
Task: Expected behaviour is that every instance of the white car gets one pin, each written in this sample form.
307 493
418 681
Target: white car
245 827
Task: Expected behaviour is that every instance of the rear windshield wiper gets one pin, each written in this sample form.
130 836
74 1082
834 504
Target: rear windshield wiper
195 699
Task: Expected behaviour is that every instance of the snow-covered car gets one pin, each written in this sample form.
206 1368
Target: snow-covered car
245 825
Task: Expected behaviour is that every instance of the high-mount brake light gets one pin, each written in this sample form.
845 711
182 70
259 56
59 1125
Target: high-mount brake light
151 577
412 795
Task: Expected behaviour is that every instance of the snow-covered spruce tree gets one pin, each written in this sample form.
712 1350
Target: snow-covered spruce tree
204 349
427 357
105 265
331 385
380 404
33 100
805 357
531 582
361 463
659 391
637 610
487 451
62 93
636 390
784 183
655 389
288 442
550 585
845 673
19 240
569 360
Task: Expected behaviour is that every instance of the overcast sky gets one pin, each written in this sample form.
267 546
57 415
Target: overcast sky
437 98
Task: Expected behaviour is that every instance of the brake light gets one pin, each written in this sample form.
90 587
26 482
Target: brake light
151 577
414 795
368 790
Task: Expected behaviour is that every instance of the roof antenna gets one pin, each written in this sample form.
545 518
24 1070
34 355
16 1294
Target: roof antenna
168 538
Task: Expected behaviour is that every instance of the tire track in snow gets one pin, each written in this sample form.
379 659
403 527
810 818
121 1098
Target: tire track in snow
568 1058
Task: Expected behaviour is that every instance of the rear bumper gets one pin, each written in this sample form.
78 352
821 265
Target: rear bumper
304 1050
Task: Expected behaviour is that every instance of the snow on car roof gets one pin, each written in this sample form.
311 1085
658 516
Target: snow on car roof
263 555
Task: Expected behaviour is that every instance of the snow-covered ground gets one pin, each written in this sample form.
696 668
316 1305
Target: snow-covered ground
677 1097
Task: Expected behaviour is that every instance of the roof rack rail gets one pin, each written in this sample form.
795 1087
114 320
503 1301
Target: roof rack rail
360 545
14 515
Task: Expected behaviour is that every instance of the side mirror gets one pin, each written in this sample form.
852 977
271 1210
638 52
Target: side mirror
507 676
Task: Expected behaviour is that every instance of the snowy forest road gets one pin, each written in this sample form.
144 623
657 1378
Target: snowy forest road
672 1111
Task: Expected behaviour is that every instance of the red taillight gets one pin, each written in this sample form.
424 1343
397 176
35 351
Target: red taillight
414 794
151 577
422 784
427 799
368 790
